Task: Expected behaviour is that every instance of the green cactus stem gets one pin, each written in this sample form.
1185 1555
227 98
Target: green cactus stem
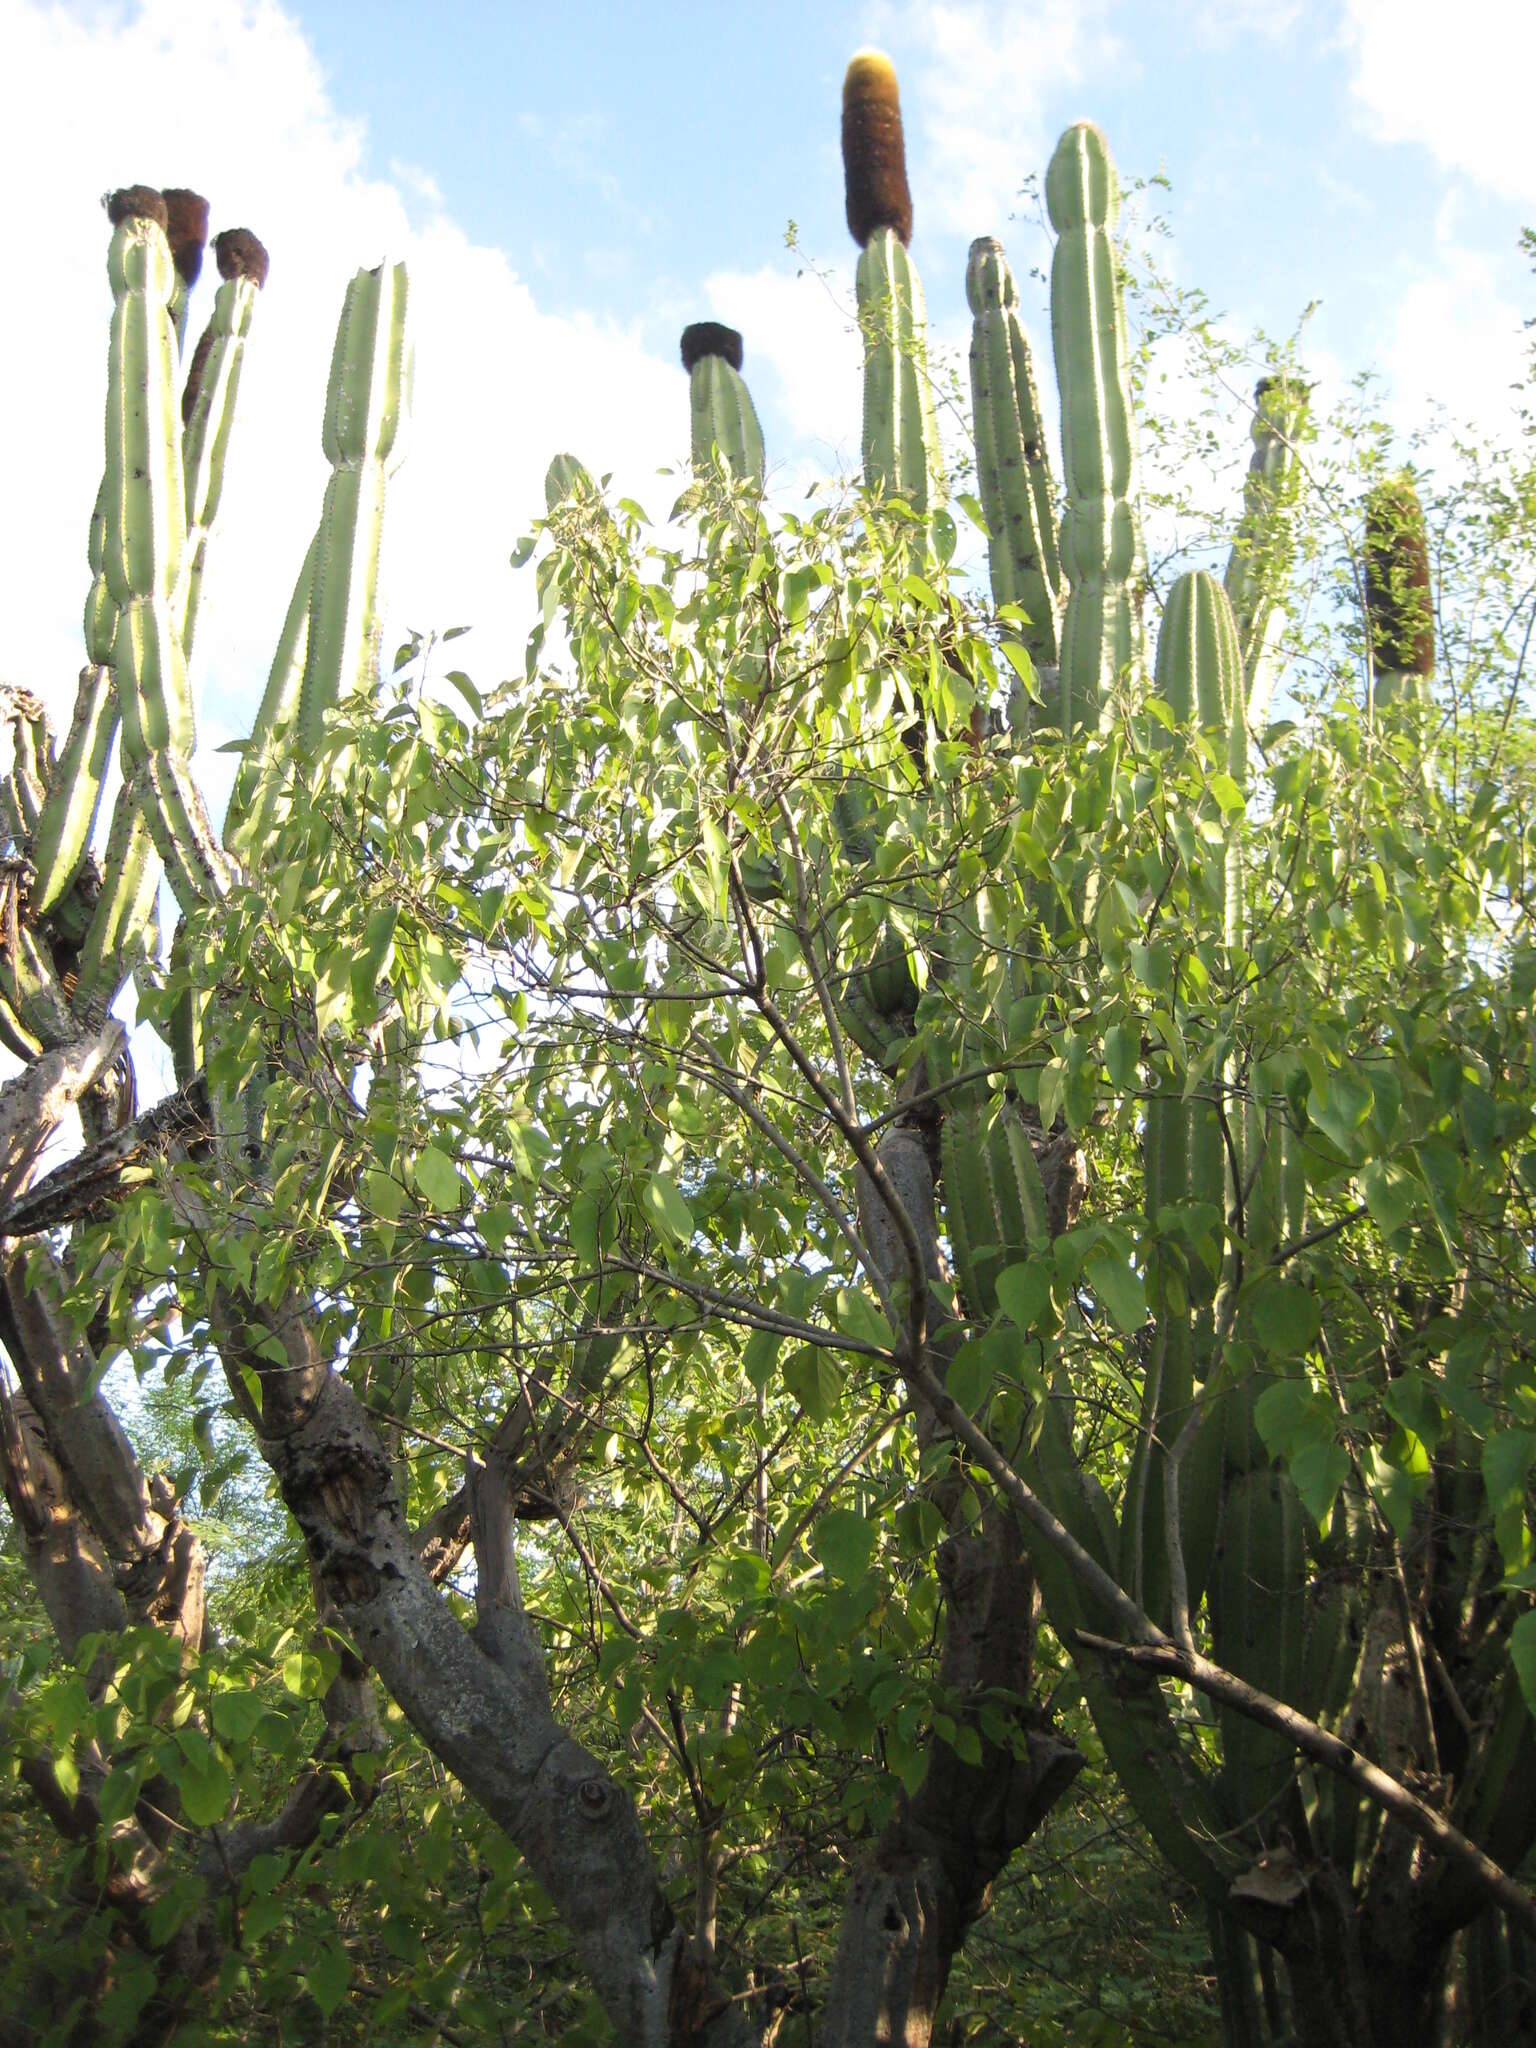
256 801
994 1200
367 402
1263 544
900 438
1012 467
208 407
1101 550
68 816
1399 615
116 939
724 419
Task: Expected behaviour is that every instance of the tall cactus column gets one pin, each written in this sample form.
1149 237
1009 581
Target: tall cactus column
901 436
1101 549
1262 547
1013 469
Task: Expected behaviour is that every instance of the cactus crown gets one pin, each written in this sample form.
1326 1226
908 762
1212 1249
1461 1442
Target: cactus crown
874 150
710 338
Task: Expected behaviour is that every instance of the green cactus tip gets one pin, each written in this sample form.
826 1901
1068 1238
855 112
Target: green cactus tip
1399 615
874 150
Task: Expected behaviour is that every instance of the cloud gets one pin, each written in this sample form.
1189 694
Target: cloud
801 328
983 76
1457 342
1457 80
501 385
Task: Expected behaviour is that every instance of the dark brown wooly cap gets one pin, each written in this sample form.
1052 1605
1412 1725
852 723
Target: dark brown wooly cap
238 254
1402 623
136 202
187 230
194 381
874 153
711 338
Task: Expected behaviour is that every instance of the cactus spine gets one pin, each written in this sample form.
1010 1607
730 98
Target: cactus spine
1101 549
1012 466
724 419
901 438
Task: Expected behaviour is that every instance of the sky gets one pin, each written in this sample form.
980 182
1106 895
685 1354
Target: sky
568 193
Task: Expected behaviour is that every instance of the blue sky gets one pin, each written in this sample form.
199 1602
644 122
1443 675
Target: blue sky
569 193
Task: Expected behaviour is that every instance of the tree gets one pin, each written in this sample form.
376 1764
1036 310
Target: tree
818 1113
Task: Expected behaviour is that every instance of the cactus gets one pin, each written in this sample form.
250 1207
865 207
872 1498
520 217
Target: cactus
1399 617
724 418
208 406
366 405
1262 546
1101 551
1013 468
901 437
994 1200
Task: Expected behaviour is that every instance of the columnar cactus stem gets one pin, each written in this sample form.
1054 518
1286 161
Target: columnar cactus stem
1012 466
901 438
1101 549
208 406
724 419
68 815
115 940
255 802
365 409
1261 548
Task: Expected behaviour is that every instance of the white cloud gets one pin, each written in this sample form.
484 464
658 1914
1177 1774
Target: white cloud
803 328
1457 80
984 76
500 384
1457 342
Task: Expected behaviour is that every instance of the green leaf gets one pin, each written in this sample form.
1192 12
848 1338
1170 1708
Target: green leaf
845 1543
438 1179
971 1374
1391 1194
760 1356
1522 1654
1119 1286
859 1317
327 1973
667 1209
1285 1318
1024 1291
382 1194
1317 1471
812 1376
203 1779
236 1715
